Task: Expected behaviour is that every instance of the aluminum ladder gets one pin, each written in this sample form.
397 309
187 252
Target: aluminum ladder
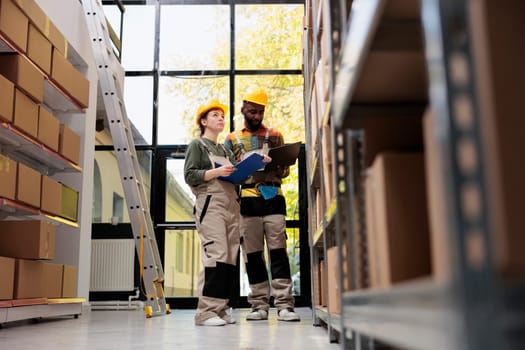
108 66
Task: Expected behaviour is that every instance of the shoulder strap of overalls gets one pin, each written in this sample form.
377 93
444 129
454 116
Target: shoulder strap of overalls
210 153
239 143
208 150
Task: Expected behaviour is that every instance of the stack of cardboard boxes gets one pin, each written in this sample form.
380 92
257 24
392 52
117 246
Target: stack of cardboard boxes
33 69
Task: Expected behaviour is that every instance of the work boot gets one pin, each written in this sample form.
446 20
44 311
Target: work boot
288 315
257 315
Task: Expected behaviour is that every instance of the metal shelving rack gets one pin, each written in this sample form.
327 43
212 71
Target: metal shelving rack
475 309
25 149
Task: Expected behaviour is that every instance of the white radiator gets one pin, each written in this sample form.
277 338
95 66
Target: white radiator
112 265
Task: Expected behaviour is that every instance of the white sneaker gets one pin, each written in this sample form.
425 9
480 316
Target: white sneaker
214 321
228 319
257 315
288 315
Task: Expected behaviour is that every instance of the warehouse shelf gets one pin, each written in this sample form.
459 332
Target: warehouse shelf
398 60
23 148
414 315
14 210
35 309
55 97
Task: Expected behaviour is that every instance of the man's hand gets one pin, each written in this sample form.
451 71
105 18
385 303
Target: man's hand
282 171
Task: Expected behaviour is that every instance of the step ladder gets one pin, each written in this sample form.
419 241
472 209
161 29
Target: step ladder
108 66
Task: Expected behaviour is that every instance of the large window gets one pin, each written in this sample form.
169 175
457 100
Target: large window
177 55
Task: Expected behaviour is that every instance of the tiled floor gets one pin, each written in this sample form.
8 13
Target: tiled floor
120 330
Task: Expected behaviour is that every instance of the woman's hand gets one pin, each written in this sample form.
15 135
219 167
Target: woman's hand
266 159
225 170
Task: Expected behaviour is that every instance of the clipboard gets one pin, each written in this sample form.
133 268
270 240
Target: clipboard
284 155
245 168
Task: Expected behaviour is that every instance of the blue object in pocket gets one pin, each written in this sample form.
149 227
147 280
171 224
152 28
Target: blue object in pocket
268 192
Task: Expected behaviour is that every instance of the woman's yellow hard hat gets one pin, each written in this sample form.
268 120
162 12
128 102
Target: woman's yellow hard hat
213 104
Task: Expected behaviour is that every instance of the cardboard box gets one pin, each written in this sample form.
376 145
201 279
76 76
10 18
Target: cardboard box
399 214
8 172
7 99
39 49
38 17
51 197
436 203
69 79
13 24
23 74
7 276
69 281
25 114
28 185
334 286
57 39
48 128
29 279
323 283
497 28
69 203
35 14
69 144
31 239
53 275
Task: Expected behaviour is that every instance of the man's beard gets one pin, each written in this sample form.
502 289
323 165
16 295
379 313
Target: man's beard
253 125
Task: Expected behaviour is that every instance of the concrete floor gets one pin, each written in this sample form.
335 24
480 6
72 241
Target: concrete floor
130 329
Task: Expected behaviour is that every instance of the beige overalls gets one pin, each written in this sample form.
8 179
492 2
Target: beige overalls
217 221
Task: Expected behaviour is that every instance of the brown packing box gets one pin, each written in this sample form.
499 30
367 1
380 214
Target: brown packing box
399 215
48 128
26 114
69 203
23 74
322 283
8 171
29 279
57 39
7 276
38 17
334 287
7 99
28 185
39 49
436 201
53 275
32 239
13 24
69 144
69 281
371 240
51 197
497 28
70 79
35 14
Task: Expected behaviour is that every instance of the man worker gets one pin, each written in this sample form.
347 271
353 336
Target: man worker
263 215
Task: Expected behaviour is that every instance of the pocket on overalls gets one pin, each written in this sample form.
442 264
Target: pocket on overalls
205 208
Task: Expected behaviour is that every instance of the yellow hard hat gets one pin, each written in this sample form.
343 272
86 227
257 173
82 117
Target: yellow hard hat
213 104
257 96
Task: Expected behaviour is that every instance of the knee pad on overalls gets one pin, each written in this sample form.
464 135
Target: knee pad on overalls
280 266
256 268
218 281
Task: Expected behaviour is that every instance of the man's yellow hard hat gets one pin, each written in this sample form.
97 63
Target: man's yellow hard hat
205 108
257 96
